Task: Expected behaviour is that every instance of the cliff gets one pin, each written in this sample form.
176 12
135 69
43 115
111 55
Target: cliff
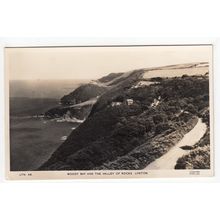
134 121
79 103
82 94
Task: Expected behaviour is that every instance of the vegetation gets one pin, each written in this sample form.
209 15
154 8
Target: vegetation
82 94
152 149
132 136
110 77
73 112
199 156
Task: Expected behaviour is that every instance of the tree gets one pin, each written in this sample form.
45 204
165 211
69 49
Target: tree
192 109
119 98
184 75
158 118
161 127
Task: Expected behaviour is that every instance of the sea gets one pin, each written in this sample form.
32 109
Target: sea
34 138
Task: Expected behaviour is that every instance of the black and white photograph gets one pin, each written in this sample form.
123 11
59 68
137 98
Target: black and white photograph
109 110
134 109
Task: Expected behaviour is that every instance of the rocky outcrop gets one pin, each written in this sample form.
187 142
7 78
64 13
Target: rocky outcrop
77 104
61 112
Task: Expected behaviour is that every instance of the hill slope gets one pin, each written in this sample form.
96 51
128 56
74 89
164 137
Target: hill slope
132 124
79 103
82 94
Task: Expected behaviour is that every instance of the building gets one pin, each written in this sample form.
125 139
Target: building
116 104
155 103
129 101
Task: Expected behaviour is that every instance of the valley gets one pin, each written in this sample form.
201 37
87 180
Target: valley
132 119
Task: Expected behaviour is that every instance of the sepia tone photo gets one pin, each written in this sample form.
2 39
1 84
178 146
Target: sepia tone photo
109 111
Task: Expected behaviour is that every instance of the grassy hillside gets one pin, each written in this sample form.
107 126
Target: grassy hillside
110 134
87 93
110 77
82 94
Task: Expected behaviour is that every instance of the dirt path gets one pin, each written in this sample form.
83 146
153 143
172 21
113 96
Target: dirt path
168 160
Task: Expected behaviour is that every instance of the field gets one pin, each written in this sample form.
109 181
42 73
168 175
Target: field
176 72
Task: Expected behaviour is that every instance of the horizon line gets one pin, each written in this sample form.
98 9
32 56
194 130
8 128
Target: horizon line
144 68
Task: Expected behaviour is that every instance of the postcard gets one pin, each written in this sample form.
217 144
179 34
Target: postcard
109 112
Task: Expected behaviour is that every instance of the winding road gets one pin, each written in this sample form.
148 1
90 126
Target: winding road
168 160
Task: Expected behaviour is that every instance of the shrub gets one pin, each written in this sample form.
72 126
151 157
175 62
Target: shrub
192 109
161 128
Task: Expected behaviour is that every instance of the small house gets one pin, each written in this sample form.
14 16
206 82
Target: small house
129 101
155 103
116 104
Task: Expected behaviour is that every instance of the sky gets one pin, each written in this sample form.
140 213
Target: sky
94 62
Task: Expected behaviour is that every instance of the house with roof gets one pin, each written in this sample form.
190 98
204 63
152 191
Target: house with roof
129 101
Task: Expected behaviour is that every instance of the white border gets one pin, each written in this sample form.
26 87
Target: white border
14 42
